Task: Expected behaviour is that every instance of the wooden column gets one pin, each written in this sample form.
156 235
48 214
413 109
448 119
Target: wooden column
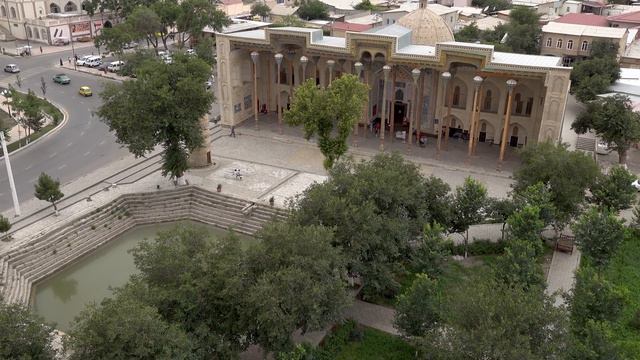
393 104
505 129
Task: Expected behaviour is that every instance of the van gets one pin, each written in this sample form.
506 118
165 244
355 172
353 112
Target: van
115 66
93 61
11 68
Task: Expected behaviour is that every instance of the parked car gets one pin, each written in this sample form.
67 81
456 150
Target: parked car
85 91
115 66
191 52
130 45
24 50
167 60
93 61
60 41
11 68
602 148
62 79
83 60
636 184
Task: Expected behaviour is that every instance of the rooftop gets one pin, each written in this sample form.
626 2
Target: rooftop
410 6
583 19
339 25
281 10
489 22
347 4
630 17
238 25
584 30
370 19
530 3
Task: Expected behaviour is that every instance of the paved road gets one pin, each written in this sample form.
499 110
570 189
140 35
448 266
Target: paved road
80 147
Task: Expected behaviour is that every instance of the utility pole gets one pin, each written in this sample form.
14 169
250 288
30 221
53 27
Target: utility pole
12 185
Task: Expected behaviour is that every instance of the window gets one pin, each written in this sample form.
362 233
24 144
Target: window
569 44
283 76
70 7
568 9
585 46
559 44
13 13
29 32
3 11
279 1
518 100
529 107
456 96
54 8
487 101
549 42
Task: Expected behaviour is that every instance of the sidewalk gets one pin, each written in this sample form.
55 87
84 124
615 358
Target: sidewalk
10 47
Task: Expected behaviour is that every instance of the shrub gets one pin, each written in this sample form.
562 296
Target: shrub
635 320
479 247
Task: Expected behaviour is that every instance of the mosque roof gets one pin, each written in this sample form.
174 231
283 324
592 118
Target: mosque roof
427 27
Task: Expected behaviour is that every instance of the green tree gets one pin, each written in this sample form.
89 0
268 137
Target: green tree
366 5
486 319
594 75
289 20
469 33
594 343
614 190
115 38
163 106
431 252
30 109
519 265
298 281
493 5
499 211
328 113
523 30
417 310
598 234
613 120
125 328
195 15
144 22
539 196
24 335
313 9
526 225
260 9
5 226
48 189
469 203
204 49
566 175
134 61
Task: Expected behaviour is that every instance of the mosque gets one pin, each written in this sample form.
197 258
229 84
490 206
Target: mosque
421 81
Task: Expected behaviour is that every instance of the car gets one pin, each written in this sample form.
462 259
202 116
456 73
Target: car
602 148
208 84
167 60
62 79
130 45
93 61
636 184
191 52
85 91
83 60
115 66
60 41
11 68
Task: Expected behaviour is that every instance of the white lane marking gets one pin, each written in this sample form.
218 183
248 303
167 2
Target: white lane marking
69 144
87 153
102 142
33 180
53 155
82 133
29 167
62 166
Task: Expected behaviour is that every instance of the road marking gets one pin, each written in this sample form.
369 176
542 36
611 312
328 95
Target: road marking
87 153
102 142
62 166
29 167
33 180
69 144
81 133
53 155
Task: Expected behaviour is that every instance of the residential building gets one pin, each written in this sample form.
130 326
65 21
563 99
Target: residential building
583 19
339 28
489 23
573 42
625 20
278 12
449 15
404 65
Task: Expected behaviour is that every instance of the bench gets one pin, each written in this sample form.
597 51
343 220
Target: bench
565 243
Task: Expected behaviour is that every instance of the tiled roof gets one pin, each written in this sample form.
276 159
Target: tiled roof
586 30
583 19
338 25
630 17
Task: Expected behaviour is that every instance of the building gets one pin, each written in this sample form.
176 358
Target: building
449 15
478 88
340 29
573 42
489 23
547 8
625 20
279 12
583 19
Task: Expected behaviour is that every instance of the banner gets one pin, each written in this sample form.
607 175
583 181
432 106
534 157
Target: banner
81 28
97 26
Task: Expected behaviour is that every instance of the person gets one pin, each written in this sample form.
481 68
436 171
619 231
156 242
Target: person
61 62
40 49
233 131
69 59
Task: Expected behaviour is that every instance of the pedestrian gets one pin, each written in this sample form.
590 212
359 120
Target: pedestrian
69 59
40 49
61 63
238 175
233 131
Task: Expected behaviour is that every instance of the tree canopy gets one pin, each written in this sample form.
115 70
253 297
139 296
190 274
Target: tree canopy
24 335
313 9
613 120
48 189
598 235
523 30
594 75
329 113
614 191
163 106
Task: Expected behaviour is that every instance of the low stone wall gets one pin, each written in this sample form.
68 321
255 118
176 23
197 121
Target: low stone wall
50 252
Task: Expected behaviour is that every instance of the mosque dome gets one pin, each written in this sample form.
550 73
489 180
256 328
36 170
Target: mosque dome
427 27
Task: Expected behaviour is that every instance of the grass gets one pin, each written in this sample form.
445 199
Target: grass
14 145
623 271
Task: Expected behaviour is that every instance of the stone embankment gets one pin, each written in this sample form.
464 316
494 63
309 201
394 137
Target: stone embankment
50 251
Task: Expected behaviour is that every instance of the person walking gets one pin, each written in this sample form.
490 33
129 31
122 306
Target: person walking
61 63
233 131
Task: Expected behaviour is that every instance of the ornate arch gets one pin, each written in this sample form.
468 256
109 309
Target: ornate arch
54 8
70 7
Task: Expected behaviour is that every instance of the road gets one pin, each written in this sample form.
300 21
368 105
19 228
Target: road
83 145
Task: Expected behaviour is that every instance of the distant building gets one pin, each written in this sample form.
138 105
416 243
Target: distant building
339 29
625 20
583 19
449 15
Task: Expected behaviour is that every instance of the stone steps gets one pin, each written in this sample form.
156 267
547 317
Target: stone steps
21 267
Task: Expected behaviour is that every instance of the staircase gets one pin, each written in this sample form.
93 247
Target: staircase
48 253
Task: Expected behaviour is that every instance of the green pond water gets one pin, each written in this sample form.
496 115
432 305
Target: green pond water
62 296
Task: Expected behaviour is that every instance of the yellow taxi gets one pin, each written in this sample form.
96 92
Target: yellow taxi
85 91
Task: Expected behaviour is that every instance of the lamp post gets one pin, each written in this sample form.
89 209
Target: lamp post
303 61
73 49
331 64
358 67
12 185
278 58
385 70
445 76
511 84
415 74
254 58
27 36
477 82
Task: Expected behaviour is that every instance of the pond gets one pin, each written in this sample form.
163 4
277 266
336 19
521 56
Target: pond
61 297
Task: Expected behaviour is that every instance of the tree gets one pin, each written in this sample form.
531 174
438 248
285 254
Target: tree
24 335
499 212
144 22
598 234
485 319
614 190
260 9
195 15
594 75
366 5
469 203
29 106
523 30
48 189
538 195
417 310
519 265
115 38
492 5
469 33
431 252
293 259
594 343
5 225
565 174
134 61
289 20
124 327
526 225
328 113
163 106
204 50
613 120
313 9
376 207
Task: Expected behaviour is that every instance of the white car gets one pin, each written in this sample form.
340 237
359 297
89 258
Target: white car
83 60
191 52
636 184
11 68
115 66
602 148
93 61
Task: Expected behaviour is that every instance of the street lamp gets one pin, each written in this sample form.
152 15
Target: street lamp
511 84
12 185
303 61
358 67
27 36
477 82
415 74
278 58
331 64
254 58
385 70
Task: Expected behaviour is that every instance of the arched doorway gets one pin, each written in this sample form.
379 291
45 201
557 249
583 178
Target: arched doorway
43 34
54 8
3 11
70 7
107 24
486 132
29 32
517 136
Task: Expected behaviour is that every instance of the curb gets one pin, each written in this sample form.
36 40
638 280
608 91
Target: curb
65 119
80 69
